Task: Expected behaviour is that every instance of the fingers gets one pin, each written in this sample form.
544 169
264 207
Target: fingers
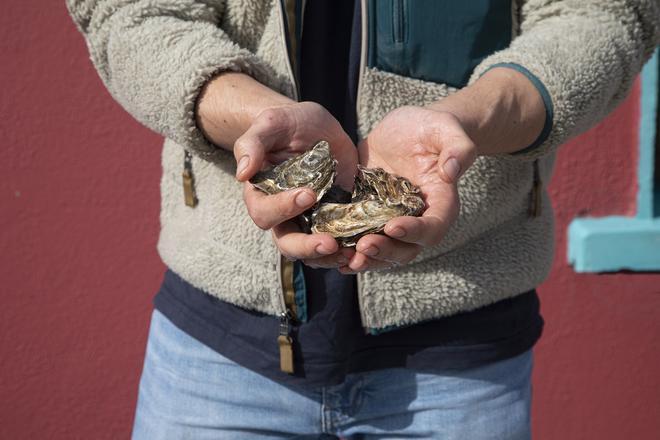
336 260
424 231
269 210
362 263
378 252
442 208
314 250
382 248
296 245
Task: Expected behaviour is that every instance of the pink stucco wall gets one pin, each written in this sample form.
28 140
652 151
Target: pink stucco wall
597 371
78 267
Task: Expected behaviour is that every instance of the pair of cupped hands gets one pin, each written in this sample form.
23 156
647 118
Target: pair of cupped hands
428 147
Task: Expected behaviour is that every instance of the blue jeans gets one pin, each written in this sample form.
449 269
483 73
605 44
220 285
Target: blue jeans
188 391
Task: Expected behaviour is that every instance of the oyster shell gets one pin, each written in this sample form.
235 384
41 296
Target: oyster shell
377 198
315 169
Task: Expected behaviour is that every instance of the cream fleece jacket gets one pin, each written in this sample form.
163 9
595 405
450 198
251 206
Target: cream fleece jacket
154 56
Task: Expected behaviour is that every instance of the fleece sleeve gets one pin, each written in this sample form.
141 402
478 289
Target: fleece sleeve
154 56
582 56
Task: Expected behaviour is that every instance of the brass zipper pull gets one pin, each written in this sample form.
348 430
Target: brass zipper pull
289 289
285 342
536 197
189 193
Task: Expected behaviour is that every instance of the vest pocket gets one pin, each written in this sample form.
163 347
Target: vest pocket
439 41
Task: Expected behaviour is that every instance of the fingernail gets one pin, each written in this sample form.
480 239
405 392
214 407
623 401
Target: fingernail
242 165
371 251
397 233
451 168
321 249
304 199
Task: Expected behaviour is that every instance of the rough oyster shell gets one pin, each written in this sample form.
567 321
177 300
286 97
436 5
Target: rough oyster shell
377 198
315 169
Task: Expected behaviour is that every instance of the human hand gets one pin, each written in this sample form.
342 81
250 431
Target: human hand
275 135
432 150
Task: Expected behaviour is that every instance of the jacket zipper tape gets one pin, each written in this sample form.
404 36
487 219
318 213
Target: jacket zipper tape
363 65
287 297
285 268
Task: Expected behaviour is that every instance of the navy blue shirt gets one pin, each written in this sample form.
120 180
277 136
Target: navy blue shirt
332 343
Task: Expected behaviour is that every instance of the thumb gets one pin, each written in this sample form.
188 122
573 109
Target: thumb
456 157
272 126
250 151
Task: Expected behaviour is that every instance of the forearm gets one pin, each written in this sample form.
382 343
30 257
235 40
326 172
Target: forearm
228 105
502 112
155 56
585 56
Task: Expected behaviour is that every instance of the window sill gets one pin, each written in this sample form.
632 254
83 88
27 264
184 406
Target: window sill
612 244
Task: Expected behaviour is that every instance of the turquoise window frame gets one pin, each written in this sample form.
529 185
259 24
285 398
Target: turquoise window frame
616 243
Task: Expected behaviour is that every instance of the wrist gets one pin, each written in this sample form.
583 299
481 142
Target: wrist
502 112
229 103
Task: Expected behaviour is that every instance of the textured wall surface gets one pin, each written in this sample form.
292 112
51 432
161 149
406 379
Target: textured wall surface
78 227
597 373
78 268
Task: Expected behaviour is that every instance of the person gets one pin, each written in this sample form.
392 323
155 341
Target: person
424 331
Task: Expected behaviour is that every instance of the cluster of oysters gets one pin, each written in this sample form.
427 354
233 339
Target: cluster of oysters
377 196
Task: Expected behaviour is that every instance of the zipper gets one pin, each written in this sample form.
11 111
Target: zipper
285 343
286 298
363 63
283 35
536 196
288 289
398 20
363 52
286 314
515 18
